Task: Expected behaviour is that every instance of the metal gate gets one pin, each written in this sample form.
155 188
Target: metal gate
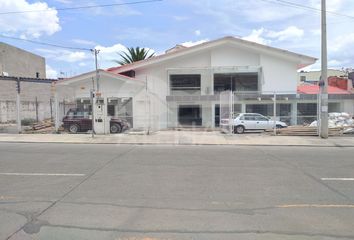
226 112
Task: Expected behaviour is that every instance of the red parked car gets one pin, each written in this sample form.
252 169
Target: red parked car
77 120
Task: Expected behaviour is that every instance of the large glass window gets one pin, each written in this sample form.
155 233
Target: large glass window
334 107
283 111
185 83
307 113
235 82
84 104
121 107
237 110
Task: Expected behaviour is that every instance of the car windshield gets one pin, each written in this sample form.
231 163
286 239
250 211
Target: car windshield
236 115
78 113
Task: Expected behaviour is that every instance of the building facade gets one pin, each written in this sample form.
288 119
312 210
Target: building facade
314 76
185 87
16 62
17 65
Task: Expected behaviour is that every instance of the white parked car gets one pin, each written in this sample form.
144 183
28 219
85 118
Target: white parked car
250 121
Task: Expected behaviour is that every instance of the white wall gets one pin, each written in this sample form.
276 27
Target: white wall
348 106
278 75
231 56
110 87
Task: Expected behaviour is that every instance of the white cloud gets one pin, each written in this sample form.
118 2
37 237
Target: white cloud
83 42
266 37
340 51
316 32
256 36
64 1
180 18
65 55
73 56
343 43
121 10
331 5
107 55
290 33
51 73
31 24
197 32
191 43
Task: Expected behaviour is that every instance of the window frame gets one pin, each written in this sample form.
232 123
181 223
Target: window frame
198 83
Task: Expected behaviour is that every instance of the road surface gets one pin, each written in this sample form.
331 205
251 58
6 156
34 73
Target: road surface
123 192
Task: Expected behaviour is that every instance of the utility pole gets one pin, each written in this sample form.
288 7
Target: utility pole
96 51
93 91
324 81
18 105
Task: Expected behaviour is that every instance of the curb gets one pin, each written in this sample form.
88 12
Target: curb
187 144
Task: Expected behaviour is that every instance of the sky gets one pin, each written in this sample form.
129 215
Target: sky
163 24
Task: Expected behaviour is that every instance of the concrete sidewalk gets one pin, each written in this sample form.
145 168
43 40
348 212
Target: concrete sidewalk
183 138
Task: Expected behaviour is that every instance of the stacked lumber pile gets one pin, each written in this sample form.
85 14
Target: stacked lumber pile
45 126
307 131
46 123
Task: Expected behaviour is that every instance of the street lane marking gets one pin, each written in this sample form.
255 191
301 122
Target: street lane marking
6 197
337 179
317 206
44 174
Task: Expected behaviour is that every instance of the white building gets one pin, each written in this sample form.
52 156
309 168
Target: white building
182 87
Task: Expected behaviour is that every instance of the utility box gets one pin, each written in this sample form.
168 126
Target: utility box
100 116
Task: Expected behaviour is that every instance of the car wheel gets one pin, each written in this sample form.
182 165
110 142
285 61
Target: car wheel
239 129
73 128
115 128
278 126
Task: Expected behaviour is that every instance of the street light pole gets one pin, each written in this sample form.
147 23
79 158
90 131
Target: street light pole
324 81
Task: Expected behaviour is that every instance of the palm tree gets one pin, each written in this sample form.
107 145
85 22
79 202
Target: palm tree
133 55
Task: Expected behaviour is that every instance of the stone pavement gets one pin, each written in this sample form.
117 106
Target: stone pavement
184 138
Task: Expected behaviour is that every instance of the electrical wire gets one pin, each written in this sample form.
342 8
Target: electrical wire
82 7
300 6
46 44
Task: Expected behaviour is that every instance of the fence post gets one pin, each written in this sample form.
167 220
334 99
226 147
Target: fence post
18 105
56 104
231 120
51 109
37 119
275 113
64 106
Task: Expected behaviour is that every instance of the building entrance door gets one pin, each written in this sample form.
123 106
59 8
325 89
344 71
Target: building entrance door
190 115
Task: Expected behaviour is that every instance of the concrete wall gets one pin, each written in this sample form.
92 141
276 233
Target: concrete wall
29 92
20 63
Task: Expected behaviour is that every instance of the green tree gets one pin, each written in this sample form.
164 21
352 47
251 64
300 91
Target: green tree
133 55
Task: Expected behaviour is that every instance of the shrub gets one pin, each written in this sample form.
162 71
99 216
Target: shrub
27 121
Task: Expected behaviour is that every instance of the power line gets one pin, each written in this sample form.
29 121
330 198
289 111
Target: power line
300 6
46 44
82 7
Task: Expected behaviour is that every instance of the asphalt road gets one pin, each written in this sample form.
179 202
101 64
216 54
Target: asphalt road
122 192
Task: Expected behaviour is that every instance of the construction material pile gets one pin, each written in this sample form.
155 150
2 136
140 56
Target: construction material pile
45 126
338 124
339 120
306 131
